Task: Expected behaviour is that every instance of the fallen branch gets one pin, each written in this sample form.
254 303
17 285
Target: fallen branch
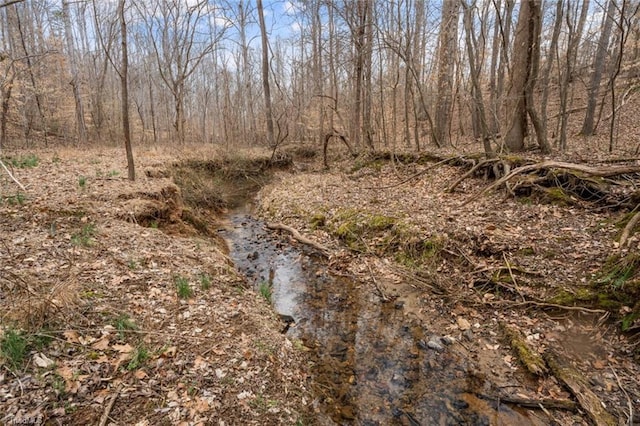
629 401
304 240
379 289
470 172
107 410
626 232
12 177
577 385
558 404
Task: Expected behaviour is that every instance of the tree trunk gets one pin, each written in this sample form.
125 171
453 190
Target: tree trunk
265 76
477 92
598 69
566 80
551 54
73 68
124 86
446 62
522 78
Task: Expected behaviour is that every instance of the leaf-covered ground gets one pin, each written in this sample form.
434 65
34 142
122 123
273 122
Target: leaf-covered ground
126 310
539 266
114 296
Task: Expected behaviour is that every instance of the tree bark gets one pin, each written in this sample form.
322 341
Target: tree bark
477 91
265 76
446 62
124 87
73 68
524 66
588 126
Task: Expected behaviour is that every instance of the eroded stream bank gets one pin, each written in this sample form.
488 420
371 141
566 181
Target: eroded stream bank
371 363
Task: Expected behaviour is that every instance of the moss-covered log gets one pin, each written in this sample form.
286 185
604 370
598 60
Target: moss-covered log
578 386
526 355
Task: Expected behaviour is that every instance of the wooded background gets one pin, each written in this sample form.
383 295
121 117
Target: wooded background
382 74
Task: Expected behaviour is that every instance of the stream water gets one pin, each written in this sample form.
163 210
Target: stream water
372 365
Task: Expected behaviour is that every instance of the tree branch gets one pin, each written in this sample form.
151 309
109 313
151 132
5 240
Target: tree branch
10 2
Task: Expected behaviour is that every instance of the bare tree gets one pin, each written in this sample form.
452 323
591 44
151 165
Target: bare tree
588 126
73 68
524 71
446 61
574 34
265 76
477 92
173 31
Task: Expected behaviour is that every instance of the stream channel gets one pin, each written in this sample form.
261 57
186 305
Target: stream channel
371 365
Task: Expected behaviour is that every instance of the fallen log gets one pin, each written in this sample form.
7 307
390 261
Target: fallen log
577 385
547 403
593 171
526 355
299 237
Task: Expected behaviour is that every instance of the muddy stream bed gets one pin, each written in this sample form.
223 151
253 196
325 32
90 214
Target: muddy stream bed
371 366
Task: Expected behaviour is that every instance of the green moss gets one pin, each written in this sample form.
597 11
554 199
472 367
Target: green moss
580 296
318 220
629 320
557 196
362 230
380 222
414 252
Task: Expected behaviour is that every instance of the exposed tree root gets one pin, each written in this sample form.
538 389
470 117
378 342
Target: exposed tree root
581 181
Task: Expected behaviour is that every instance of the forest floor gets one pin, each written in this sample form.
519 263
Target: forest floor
119 302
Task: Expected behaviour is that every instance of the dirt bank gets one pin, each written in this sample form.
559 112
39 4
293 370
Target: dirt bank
115 304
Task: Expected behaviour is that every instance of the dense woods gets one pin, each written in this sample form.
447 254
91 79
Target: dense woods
383 74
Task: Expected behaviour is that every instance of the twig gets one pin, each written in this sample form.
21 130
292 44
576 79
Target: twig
562 404
515 283
107 410
568 308
12 177
629 402
383 296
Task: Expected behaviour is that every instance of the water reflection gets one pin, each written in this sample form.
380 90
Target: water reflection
372 364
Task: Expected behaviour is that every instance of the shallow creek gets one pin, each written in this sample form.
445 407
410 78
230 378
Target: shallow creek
371 366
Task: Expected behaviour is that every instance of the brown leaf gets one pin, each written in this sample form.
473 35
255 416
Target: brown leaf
101 345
